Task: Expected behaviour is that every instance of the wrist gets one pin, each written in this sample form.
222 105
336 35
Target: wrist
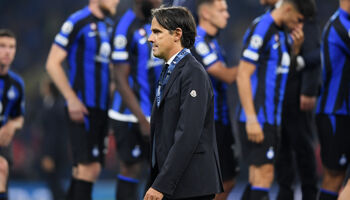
251 119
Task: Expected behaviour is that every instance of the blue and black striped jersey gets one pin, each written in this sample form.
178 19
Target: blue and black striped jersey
335 55
86 39
130 46
11 97
267 47
207 51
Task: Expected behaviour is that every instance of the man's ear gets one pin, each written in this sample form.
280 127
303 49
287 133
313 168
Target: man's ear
203 12
287 7
178 34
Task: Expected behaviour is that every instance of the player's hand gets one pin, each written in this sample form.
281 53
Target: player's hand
76 110
298 39
6 134
307 103
145 128
153 194
254 132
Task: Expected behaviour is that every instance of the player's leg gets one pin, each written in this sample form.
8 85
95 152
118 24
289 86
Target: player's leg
88 145
228 161
131 153
260 158
345 194
285 173
262 181
331 184
334 141
4 171
302 143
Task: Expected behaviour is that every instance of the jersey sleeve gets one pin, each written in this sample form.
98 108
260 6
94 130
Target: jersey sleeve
207 56
122 39
255 42
19 106
65 38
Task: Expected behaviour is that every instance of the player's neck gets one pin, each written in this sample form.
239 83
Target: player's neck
345 5
96 10
4 69
173 52
208 27
276 15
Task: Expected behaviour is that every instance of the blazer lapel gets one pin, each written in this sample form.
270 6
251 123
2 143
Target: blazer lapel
173 77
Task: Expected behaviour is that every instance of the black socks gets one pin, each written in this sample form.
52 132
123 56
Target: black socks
3 195
328 195
79 189
246 193
127 188
259 193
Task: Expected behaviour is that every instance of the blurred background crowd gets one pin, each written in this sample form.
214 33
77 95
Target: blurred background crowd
35 23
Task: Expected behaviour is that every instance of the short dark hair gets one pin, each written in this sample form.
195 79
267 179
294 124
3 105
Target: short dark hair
306 7
7 33
200 2
172 18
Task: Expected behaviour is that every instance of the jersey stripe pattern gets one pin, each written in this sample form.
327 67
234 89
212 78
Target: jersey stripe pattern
267 47
207 51
131 46
335 55
12 101
87 42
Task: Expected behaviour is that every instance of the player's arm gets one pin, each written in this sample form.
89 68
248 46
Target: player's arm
121 74
223 73
54 67
8 130
254 131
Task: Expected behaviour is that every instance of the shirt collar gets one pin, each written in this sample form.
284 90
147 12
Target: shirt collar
278 4
172 58
344 13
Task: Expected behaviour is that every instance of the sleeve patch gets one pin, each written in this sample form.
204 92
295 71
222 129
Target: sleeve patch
251 55
120 41
256 41
202 49
210 58
67 27
61 40
120 55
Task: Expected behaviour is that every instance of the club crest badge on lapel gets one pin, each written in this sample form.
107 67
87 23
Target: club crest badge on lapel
193 93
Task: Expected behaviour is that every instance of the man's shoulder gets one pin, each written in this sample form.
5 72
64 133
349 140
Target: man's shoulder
195 65
262 24
127 23
79 15
16 79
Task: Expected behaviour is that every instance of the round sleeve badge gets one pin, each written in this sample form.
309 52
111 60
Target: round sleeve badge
67 27
202 48
256 42
193 93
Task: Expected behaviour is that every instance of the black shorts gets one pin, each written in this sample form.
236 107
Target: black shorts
6 152
334 135
131 146
263 153
89 139
228 159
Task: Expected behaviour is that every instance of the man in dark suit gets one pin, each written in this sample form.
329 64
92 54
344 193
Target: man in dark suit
185 163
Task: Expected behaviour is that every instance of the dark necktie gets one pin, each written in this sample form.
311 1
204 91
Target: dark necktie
163 73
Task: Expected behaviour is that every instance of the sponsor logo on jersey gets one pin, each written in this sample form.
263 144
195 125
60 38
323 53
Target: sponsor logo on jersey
270 154
136 152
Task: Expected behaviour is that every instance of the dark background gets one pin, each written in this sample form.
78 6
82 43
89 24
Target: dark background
36 22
